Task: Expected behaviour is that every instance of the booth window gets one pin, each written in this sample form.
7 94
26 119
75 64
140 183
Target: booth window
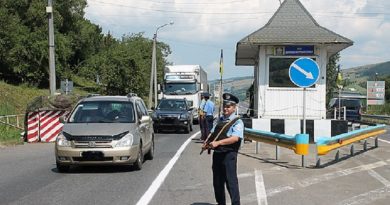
278 72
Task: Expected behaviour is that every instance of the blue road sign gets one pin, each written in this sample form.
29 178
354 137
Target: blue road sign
304 72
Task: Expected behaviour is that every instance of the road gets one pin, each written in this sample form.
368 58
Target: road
28 176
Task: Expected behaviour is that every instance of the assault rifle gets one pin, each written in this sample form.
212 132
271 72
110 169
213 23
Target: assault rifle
212 137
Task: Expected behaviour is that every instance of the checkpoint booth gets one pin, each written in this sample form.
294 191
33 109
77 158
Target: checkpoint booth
290 34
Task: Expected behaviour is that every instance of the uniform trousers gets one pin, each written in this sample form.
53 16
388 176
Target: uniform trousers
225 172
209 123
203 127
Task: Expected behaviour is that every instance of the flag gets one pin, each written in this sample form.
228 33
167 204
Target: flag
221 63
339 81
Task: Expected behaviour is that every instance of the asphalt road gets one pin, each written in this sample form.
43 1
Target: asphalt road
28 176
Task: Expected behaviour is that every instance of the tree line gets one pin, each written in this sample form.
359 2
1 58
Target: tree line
83 52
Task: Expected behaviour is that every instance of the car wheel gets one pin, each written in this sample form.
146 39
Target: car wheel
187 129
62 168
150 154
138 162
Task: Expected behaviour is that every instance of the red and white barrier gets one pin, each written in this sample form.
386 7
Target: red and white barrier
44 126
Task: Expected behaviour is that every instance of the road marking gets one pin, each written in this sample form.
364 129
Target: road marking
326 177
379 177
260 189
384 141
148 195
244 175
368 197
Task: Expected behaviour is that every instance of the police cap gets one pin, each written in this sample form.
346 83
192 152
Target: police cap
229 99
205 94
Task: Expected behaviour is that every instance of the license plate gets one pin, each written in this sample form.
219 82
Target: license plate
92 155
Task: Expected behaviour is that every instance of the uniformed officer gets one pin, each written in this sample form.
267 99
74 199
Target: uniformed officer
202 118
209 113
225 151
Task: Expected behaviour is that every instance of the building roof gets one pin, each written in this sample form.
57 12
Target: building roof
291 24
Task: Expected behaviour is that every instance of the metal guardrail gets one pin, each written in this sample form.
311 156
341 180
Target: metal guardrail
299 143
326 144
376 116
15 121
382 119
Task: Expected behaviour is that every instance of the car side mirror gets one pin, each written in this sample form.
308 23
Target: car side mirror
145 118
62 119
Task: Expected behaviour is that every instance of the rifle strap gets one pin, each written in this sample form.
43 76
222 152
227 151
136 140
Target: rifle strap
225 127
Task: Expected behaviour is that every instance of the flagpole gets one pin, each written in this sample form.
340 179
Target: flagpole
220 85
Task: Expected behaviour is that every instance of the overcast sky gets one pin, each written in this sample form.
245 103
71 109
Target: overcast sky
203 27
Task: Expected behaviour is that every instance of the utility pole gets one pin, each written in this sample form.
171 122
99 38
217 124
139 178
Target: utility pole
153 74
52 66
150 101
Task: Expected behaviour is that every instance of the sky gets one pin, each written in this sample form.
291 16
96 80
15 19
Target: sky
201 28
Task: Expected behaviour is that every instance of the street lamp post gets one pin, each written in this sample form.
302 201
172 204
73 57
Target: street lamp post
153 75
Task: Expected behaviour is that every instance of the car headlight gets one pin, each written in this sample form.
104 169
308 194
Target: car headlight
62 141
125 141
154 116
183 116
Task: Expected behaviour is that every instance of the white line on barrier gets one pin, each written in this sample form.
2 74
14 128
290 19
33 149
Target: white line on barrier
379 177
384 141
148 195
368 197
260 189
326 177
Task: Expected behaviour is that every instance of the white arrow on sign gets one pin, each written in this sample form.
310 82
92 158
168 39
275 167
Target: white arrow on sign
307 74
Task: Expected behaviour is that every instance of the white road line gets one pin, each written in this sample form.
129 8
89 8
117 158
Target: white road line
326 177
260 189
379 177
368 197
244 175
384 141
148 195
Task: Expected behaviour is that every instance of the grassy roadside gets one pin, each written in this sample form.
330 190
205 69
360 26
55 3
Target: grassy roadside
14 101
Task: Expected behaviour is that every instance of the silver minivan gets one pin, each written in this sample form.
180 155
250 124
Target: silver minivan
106 130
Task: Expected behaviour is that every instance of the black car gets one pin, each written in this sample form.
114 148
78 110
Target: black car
353 108
173 113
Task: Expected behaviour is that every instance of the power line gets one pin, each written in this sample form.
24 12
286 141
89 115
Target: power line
234 13
197 3
181 12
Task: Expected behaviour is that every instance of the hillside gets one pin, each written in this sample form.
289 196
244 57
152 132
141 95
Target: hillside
237 86
357 77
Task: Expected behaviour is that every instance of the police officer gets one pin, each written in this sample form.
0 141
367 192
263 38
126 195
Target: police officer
202 118
209 113
225 151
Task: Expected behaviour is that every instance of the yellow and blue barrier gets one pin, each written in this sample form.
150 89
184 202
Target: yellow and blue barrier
298 143
326 144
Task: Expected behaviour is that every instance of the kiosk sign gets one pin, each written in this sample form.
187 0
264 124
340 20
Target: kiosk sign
304 72
375 92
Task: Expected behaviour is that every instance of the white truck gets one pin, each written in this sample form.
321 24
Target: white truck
185 81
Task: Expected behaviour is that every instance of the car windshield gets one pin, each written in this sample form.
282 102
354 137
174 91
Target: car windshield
172 105
103 112
180 88
349 103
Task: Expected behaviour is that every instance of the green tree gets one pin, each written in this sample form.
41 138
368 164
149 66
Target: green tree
125 66
331 75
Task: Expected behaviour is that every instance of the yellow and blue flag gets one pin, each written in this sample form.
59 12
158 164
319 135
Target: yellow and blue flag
221 63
